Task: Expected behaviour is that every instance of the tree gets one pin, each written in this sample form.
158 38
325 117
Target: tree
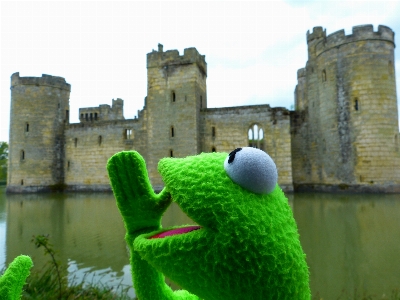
3 160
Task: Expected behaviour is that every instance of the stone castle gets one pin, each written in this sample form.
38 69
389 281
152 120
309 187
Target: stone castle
343 134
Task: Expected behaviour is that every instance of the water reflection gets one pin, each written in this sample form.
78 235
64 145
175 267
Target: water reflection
351 241
75 223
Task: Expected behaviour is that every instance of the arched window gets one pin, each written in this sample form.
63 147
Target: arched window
128 134
213 149
256 137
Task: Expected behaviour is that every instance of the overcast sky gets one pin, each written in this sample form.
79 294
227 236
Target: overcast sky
253 49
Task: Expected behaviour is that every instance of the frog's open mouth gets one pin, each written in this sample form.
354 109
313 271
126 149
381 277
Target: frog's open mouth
176 231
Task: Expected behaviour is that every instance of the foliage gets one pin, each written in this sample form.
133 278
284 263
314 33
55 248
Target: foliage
52 281
3 150
3 160
43 241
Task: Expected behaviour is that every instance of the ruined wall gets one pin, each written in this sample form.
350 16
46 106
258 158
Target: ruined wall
103 112
90 145
225 129
39 112
176 92
345 126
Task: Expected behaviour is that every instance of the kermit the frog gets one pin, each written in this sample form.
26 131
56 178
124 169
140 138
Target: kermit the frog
246 244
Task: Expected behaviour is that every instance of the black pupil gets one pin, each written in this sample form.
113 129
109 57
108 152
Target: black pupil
232 155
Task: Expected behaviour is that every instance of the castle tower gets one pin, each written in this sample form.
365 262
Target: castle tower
39 110
345 129
176 92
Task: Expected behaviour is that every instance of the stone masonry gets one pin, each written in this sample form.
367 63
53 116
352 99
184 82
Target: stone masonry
345 127
343 134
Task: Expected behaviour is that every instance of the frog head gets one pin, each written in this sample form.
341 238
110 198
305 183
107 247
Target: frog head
246 244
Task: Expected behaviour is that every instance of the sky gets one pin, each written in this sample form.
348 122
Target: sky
253 49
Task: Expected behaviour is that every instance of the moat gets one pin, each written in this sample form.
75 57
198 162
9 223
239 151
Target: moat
351 241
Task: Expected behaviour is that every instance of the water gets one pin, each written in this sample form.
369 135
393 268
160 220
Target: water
352 242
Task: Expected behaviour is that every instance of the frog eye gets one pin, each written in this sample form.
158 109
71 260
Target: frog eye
252 169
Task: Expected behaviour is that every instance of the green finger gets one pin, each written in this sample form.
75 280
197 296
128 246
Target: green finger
14 277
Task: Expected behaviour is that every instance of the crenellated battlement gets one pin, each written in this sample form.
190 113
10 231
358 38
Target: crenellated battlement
103 112
157 59
45 80
359 33
317 33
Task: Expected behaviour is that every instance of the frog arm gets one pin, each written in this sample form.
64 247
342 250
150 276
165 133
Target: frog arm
141 210
140 207
13 279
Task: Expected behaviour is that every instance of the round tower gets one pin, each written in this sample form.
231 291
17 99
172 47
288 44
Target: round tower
356 105
39 112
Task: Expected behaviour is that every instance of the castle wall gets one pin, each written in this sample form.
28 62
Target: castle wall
90 145
39 112
345 127
225 129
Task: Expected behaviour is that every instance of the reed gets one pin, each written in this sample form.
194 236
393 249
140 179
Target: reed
51 282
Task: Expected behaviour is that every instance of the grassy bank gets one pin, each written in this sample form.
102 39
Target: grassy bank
51 282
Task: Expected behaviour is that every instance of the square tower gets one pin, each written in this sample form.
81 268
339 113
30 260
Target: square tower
176 92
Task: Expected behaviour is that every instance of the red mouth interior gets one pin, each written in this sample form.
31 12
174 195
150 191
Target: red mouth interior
176 231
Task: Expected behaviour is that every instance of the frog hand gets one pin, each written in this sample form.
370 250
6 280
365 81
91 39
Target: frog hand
13 279
139 206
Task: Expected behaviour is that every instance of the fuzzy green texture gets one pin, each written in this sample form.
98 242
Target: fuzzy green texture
13 279
247 248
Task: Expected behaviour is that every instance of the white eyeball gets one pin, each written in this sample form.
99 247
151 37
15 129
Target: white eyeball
252 169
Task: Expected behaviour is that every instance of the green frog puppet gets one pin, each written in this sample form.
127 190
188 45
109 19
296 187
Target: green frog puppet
13 279
245 246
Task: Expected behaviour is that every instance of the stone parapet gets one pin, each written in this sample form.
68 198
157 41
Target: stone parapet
359 33
45 80
157 59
